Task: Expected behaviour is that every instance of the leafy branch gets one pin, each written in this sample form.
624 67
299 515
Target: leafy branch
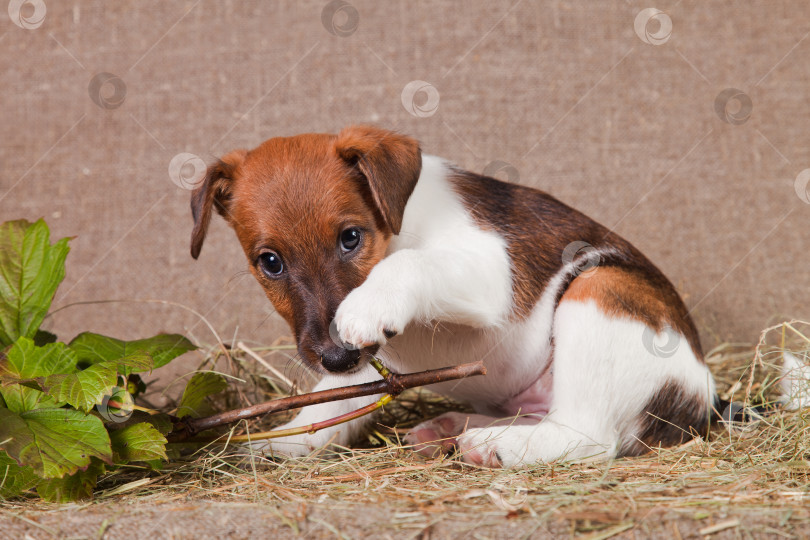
58 428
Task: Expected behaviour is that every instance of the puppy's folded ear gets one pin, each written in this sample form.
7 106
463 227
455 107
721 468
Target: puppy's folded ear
390 162
214 191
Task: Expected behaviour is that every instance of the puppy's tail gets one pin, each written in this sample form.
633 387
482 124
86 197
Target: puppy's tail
795 383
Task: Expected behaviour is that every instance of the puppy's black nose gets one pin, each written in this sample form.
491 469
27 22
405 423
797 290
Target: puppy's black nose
338 359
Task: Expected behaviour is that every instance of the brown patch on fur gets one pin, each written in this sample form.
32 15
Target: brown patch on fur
671 417
213 192
538 228
390 162
294 196
625 292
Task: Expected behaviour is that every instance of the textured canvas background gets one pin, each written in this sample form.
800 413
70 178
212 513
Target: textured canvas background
568 93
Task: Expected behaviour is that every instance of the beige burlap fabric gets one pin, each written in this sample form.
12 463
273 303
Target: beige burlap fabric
620 112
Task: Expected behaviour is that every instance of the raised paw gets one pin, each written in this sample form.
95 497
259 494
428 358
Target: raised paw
366 317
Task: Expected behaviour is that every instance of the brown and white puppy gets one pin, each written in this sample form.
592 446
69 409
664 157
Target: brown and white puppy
590 352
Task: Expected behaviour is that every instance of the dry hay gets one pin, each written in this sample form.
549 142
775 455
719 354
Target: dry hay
753 478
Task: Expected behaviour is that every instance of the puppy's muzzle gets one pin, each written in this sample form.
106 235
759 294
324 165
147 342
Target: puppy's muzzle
337 359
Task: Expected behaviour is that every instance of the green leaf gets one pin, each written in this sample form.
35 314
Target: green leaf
20 398
14 479
24 360
30 271
87 388
138 442
76 486
55 442
161 422
94 348
198 388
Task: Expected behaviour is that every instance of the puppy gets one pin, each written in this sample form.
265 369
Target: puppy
365 245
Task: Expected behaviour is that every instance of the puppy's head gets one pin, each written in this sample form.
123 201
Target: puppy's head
314 213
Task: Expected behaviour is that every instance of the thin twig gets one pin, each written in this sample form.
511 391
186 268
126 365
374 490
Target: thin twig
393 384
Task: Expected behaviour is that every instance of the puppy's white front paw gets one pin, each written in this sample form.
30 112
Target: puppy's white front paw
370 317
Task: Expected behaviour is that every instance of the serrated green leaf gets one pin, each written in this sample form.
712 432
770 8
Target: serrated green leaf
31 269
160 422
87 388
76 486
54 442
20 398
138 442
94 348
200 386
14 479
24 360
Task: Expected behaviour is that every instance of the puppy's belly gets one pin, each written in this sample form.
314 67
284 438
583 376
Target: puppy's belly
517 359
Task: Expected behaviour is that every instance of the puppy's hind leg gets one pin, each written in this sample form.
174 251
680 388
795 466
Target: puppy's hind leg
605 383
439 435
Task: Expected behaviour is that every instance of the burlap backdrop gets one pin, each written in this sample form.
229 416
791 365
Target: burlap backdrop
628 124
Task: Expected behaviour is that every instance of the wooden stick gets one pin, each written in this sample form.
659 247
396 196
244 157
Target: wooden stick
393 384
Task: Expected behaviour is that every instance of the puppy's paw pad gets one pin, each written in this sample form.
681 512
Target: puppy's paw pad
428 442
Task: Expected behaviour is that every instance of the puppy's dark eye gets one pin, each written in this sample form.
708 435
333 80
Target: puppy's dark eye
350 239
271 264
